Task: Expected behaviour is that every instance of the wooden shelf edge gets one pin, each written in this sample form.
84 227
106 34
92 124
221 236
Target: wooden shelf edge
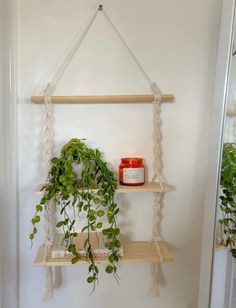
134 252
149 187
231 113
220 247
107 99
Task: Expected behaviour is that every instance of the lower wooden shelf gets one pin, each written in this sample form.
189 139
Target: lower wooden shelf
147 187
134 252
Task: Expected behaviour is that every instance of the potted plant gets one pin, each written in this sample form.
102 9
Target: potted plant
228 196
73 192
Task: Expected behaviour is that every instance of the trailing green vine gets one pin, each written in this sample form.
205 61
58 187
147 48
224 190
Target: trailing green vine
228 198
71 192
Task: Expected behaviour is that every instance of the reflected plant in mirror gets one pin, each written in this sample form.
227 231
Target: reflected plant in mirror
228 196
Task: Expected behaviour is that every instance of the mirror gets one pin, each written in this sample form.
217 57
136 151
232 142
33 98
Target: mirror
223 293
216 274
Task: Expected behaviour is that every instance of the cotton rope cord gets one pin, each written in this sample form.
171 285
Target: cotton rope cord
48 145
157 166
128 48
157 159
55 79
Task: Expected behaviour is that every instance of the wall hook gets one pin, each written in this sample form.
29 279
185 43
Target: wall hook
100 7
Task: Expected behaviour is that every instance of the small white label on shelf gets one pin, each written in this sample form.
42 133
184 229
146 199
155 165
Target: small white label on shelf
133 175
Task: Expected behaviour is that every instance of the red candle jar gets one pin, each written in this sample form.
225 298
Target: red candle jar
131 171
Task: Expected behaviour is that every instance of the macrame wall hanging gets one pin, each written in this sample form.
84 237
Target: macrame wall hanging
156 99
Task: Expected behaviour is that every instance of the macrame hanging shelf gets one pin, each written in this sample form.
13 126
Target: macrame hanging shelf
153 252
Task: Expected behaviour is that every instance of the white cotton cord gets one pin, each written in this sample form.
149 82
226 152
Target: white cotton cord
157 166
48 145
73 51
48 132
154 290
128 48
157 162
48 295
156 223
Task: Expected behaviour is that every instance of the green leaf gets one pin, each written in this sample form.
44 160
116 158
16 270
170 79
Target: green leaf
31 236
62 178
86 243
111 245
117 231
117 243
37 218
75 260
109 269
96 201
104 232
99 225
60 224
100 213
98 154
112 258
43 201
103 203
72 248
39 208
100 192
84 228
90 279
54 160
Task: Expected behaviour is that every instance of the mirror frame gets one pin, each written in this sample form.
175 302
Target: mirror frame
225 48
9 211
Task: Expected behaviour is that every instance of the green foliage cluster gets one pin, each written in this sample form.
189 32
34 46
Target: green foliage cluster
73 193
228 198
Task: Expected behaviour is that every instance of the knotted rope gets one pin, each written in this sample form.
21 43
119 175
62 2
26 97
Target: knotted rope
48 145
157 166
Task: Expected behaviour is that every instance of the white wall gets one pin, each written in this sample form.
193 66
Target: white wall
176 41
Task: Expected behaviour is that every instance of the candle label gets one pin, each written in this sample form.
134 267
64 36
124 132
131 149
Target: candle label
133 175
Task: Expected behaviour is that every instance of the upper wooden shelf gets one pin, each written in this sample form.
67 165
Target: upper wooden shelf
147 187
108 99
134 252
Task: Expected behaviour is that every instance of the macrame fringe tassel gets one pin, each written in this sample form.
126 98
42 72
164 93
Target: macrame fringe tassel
48 295
154 289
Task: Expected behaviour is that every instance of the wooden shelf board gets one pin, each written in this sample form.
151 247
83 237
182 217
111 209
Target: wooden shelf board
231 113
134 252
220 247
107 99
147 187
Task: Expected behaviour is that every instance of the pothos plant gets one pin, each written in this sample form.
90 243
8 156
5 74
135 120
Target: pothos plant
75 193
228 198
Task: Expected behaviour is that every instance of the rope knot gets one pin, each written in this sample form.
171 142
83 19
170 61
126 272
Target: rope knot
156 91
48 93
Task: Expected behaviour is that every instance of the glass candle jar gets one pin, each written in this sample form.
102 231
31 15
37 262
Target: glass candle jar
131 171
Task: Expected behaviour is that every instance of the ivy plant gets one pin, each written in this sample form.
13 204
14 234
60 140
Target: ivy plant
90 194
228 197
